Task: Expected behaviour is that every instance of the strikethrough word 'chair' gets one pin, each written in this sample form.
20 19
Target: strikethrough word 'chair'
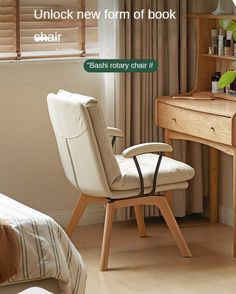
132 179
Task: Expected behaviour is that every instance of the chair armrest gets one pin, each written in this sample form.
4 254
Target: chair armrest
146 148
114 132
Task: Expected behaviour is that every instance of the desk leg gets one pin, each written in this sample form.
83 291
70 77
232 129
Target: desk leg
213 185
169 194
234 203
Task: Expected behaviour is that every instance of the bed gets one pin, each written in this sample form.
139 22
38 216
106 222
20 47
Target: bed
47 258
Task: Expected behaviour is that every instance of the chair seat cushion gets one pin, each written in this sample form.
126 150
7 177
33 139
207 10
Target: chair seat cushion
171 171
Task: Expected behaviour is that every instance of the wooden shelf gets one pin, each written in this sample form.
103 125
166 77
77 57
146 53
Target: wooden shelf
209 94
233 58
225 96
208 65
211 16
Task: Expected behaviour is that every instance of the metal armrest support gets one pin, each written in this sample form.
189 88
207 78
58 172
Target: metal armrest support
154 183
115 133
139 174
147 148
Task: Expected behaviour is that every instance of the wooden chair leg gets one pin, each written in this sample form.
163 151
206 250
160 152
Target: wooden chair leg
77 213
164 207
110 209
140 221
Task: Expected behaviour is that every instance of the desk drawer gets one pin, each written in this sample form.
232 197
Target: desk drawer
203 125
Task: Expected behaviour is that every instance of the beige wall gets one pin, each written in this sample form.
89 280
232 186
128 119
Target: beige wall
30 169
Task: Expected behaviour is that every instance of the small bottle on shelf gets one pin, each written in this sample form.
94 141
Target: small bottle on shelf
220 45
214 83
227 48
214 41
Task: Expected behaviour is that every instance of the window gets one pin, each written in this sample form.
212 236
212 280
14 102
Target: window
19 28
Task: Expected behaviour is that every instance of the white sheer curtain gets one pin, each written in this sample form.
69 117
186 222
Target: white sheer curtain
107 49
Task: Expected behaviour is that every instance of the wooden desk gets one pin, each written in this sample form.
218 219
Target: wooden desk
209 122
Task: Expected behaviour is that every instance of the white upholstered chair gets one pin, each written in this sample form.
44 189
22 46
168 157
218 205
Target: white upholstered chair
131 179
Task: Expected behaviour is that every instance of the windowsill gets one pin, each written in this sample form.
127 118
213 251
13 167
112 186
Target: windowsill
48 60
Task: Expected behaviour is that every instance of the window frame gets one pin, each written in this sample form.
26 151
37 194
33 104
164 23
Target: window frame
44 56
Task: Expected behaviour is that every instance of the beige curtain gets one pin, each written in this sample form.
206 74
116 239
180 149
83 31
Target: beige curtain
135 94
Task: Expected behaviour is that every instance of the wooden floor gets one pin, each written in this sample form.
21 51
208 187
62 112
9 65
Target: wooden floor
154 265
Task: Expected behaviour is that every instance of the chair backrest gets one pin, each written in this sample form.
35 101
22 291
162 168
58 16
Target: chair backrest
83 143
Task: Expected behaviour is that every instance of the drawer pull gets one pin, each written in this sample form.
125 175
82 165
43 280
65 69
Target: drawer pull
212 129
174 119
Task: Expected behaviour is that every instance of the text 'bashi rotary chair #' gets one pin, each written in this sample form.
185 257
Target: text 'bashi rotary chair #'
132 179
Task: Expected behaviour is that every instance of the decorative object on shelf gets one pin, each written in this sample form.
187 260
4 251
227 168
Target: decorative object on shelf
219 10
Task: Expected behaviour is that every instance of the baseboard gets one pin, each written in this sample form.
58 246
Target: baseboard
90 216
96 215
226 215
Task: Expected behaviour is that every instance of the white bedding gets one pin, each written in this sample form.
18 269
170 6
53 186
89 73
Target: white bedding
46 251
